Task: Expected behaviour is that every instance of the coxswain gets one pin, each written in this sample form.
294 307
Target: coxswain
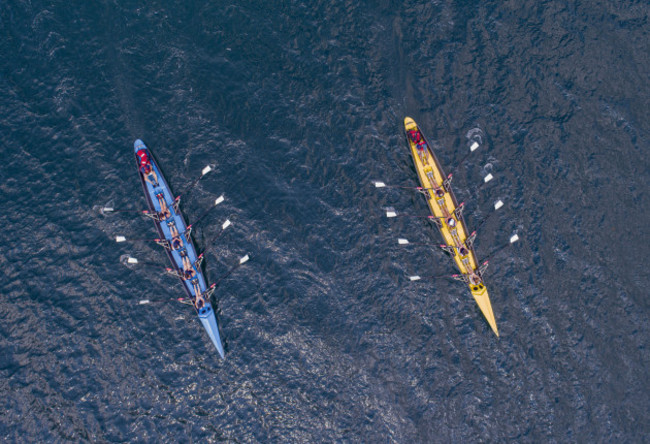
146 169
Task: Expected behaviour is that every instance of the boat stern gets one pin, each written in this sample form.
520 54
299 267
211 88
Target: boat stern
209 321
480 293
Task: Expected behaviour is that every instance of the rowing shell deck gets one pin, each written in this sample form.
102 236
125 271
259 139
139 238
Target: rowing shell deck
447 215
161 193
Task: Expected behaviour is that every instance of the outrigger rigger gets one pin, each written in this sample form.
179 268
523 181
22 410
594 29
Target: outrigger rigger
447 215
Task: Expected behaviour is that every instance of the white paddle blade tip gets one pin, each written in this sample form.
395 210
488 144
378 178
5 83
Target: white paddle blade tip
244 259
219 200
380 184
226 224
514 239
498 204
107 210
414 278
120 239
131 260
206 170
391 214
144 301
473 147
402 241
488 178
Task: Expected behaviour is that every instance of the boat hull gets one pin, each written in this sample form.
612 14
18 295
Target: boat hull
162 189
447 216
209 321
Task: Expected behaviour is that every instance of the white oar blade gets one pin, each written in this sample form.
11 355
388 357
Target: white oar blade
498 204
488 178
473 147
380 184
144 301
391 213
108 209
206 170
226 224
243 260
120 239
414 278
402 241
514 239
219 200
131 260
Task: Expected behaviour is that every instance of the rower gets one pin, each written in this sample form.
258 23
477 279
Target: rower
176 242
187 265
199 302
164 209
188 274
451 222
197 290
423 151
146 169
172 228
414 135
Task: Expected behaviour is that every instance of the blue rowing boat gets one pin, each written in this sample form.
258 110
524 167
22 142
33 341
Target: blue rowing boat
176 238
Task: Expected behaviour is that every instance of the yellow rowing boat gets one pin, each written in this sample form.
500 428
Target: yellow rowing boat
447 215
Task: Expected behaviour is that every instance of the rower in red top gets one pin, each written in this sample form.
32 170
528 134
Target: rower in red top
417 139
414 135
146 169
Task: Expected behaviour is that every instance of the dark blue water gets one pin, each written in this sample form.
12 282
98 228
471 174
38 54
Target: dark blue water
300 107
